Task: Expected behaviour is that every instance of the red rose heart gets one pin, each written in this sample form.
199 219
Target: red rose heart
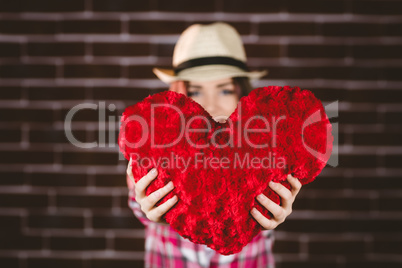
273 132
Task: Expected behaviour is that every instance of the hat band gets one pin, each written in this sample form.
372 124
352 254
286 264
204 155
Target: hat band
210 61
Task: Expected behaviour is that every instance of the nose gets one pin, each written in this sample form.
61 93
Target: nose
211 107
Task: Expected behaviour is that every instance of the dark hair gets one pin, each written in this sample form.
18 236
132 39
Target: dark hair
242 85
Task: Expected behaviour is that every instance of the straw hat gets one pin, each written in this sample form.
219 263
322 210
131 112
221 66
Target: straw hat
208 52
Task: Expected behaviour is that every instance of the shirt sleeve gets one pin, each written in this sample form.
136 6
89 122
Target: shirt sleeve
133 204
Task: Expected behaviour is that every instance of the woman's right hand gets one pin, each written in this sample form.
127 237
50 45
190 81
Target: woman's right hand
147 203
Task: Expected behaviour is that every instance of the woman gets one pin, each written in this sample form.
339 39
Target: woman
209 67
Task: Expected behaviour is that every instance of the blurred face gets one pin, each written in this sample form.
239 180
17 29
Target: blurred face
217 97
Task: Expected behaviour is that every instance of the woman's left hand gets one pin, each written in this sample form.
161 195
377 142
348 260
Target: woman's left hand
279 212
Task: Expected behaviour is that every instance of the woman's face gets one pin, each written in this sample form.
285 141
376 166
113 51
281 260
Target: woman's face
217 97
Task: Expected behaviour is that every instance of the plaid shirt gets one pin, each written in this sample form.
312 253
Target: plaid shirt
165 248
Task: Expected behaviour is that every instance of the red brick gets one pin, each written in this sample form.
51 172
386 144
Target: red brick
392 29
10 225
336 225
121 5
81 243
56 49
374 95
10 242
311 263
347 117
109 180
312 6
384 7
129 244
56 93
358 161
287 28
61 180
392 161
55 136
328 94
392 73
387 245
87 201
10 93
286 246
390 204
119 93
164 50
121 49
141 72
392 118
345 73
92 70
317 51
89 158
11 6
90 26
381 138
51 262
52 6
345 247
57 221
156 27
12 178
28 27
262 51
27 71
334 203
322 183
24 200
116 222
10 262
185 6
110 136
106 263
352 29
86 114
10 135
258 6
26 157
9 50
376 51
372 263
374 182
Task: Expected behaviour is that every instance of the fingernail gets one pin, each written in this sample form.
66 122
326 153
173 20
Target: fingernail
170 185
272 184
153 171
260 197
254 211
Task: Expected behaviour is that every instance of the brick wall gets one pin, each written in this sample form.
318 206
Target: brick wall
65 206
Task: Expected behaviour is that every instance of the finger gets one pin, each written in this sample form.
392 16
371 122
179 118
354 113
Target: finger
150 201
285 194
268 224
130 171
271 206
143 183
295 183
157 213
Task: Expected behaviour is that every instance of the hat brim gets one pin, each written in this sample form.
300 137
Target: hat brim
206 73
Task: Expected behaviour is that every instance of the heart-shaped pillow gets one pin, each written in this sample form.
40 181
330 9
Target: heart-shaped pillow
218 168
